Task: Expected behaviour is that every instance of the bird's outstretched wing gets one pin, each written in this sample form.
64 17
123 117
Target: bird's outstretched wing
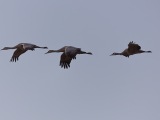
16 54
65 61
133 47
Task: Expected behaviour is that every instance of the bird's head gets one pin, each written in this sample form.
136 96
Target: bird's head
50 51
149 51
89 53
5 48
113 54
45 47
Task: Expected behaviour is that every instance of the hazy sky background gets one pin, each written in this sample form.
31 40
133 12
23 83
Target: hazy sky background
97 87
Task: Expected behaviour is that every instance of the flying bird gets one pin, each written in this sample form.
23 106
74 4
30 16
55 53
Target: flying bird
20 49
68 53
132 49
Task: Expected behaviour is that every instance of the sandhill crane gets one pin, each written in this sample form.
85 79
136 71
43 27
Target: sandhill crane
69 53
20 49
131 50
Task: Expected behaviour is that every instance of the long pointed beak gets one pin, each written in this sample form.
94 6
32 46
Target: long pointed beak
49 51
90 53
2 49
46 52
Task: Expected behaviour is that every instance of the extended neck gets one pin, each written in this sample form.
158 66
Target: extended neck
7 48
83 52
41 47
51 51
117 54
55 51
141 51
148 51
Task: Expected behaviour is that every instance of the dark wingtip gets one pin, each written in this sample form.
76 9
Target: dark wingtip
14 59
64 65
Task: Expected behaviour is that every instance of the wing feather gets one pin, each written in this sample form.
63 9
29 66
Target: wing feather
132 47
65 61
16 54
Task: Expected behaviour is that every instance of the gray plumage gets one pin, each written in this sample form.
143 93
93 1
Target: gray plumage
132 49
20 49
68 53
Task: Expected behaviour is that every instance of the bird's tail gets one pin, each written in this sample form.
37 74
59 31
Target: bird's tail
148 51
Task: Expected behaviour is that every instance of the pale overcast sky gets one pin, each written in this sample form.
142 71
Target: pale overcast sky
97 87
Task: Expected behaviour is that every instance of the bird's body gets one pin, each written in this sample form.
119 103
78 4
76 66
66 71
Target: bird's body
20 49
27 46
69 53
131 50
